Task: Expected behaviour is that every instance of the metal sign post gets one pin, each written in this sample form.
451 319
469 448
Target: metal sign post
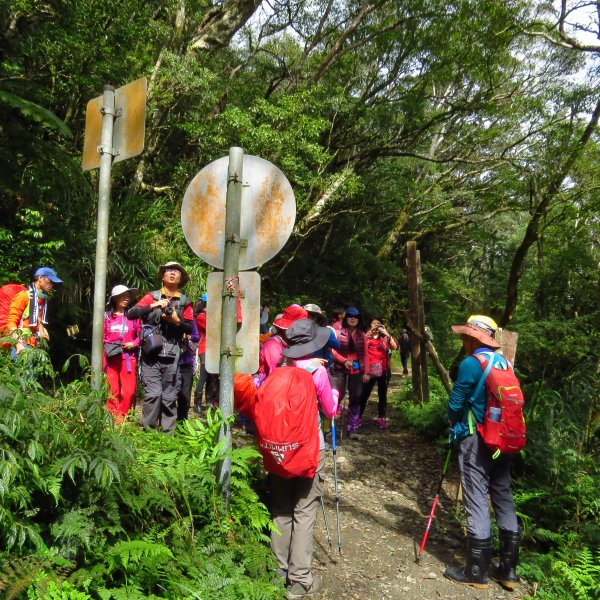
114 131
235 229
231 264
106 156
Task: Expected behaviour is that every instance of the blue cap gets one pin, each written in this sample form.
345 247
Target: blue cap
49 273
204 297
352 311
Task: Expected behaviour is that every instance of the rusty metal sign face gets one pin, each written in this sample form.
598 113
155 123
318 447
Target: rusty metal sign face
128 129
267 219
247 337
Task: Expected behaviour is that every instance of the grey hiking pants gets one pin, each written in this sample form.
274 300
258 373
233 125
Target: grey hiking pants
480 474
161 388
294 506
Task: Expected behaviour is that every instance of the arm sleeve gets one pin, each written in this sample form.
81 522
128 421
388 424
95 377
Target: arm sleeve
141 309
327 397
195 335
469 373
333 341
337 357
366 347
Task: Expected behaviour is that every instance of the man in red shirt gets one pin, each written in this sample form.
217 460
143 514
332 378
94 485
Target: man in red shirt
166 314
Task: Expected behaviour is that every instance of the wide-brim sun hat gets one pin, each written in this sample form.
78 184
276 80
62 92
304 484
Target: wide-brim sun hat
304 338
291 314
314 309
121 289
481 328
184 274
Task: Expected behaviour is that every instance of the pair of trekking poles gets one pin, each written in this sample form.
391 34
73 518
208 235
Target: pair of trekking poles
337 495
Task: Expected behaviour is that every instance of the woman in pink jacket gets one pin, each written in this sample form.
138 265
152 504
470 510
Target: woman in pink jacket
121 341
379 343
351 366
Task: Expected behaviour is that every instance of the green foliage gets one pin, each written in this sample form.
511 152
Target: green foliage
572 573
429 419
113 512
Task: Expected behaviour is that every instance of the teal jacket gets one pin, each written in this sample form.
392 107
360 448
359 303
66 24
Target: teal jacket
460 404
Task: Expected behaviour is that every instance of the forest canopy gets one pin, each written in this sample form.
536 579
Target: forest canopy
469 126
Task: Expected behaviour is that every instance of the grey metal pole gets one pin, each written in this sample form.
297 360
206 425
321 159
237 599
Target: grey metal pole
231 264
106 158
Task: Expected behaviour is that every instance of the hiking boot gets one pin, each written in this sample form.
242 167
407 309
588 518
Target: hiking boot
353 435
474 573
382 423
297 590
505 573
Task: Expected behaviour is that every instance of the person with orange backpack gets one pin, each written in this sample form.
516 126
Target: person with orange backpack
26 314
485 412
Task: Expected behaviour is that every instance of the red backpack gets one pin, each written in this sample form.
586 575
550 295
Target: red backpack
503 428
7 293
286 418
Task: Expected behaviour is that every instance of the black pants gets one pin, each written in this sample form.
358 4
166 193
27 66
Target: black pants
183 398
211 381
382 387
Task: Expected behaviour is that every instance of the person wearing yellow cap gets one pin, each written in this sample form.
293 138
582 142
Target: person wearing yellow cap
481 474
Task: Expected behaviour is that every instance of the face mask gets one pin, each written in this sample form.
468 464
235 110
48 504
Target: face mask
41 294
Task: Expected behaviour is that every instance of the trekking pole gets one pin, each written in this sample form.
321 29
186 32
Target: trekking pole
435 503
335 482
326 523
341 417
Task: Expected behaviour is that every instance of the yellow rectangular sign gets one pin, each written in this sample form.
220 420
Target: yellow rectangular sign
128 129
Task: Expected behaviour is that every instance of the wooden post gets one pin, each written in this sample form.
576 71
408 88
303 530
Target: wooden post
423 336
413 310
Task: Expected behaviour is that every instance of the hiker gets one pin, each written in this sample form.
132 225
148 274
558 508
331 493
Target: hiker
188 367
337 316
318 316
379 343
121 342
351 366
294 499
271 351
26 319
208 383
481 474
167 316
404 350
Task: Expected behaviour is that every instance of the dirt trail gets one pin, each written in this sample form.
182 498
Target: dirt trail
387 482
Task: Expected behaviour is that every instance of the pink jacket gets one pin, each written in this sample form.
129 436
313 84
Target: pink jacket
326 395
113 325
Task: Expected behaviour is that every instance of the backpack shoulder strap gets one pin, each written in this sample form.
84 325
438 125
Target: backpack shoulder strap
491 359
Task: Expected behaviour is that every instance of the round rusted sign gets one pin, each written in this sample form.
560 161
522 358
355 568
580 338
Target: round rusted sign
267 219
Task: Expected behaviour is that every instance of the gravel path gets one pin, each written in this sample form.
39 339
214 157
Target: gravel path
387 482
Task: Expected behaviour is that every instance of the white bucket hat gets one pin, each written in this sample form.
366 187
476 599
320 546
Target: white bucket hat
121 289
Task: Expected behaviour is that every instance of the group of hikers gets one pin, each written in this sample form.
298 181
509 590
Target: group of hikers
307 364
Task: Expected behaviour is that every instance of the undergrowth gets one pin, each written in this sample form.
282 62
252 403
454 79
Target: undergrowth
556 482
90 510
